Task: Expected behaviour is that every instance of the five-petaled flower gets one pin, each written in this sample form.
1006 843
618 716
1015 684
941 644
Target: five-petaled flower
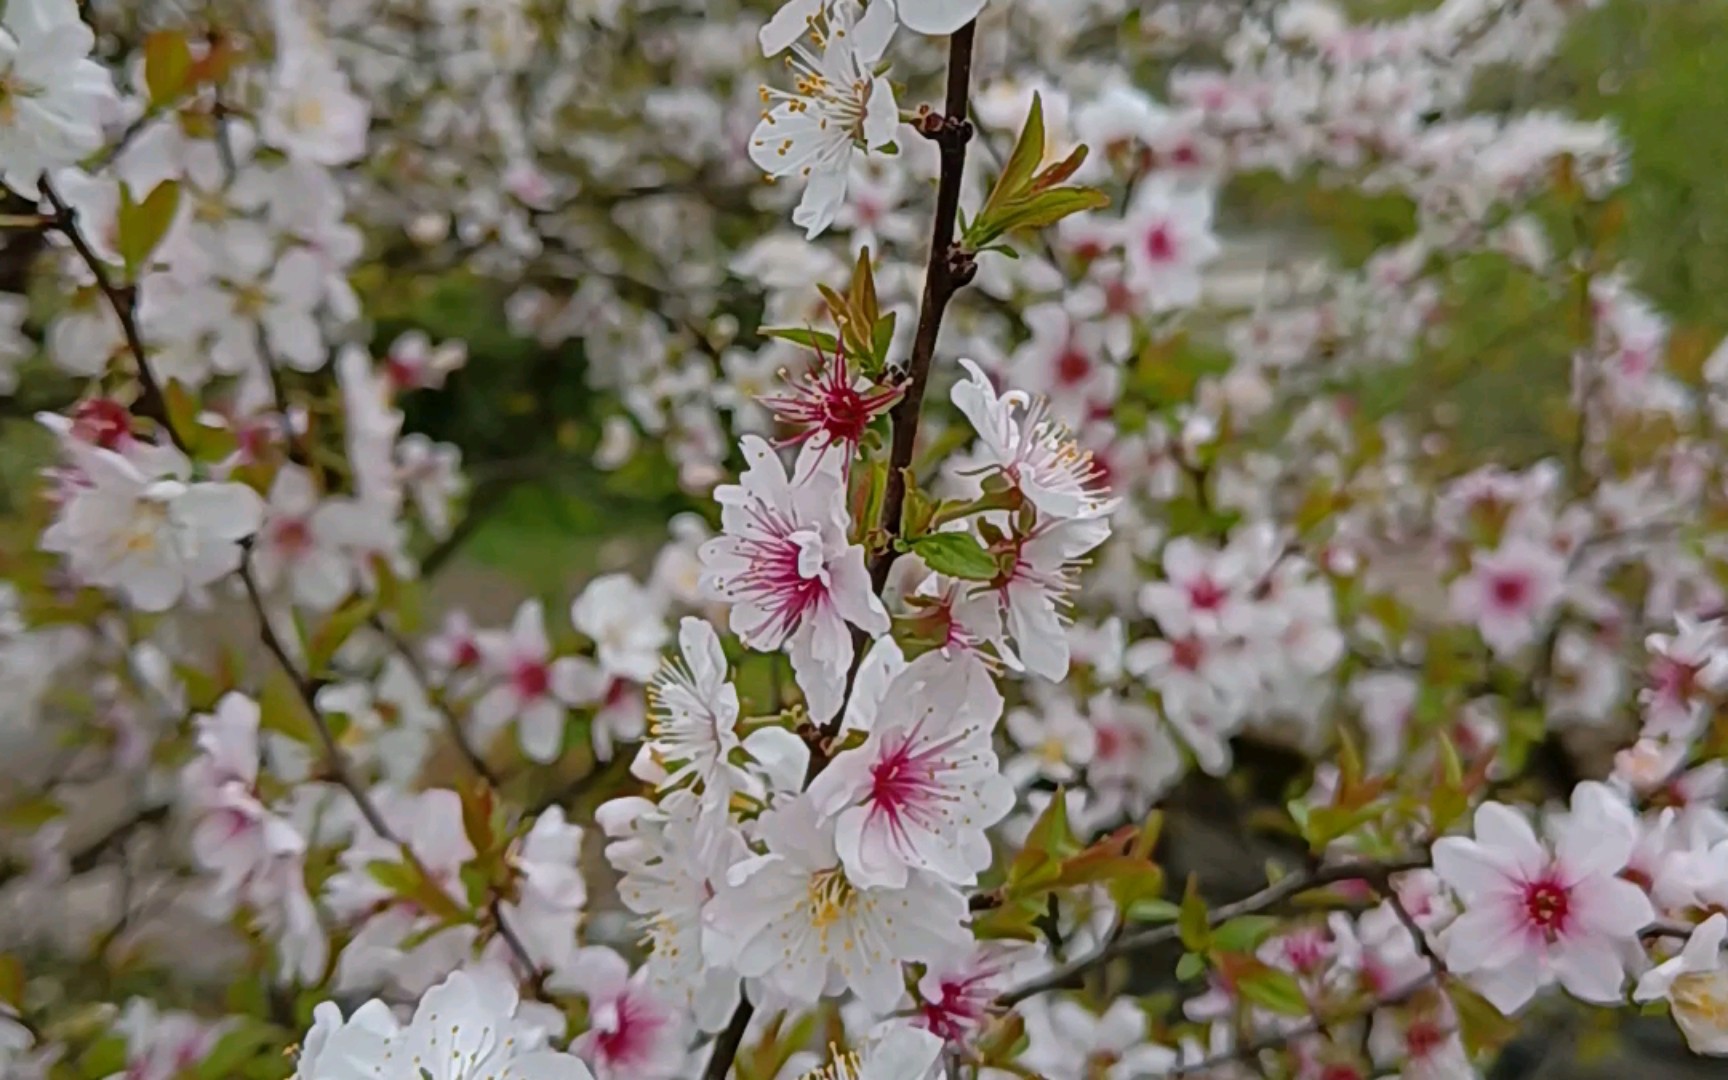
1536 912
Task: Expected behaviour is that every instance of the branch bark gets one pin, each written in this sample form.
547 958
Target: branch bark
949 269
152 404
1270 897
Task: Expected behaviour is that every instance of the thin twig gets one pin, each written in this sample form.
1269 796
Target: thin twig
948 270
452 722
1317 1026
307 688
1270 897
727 1044
152 403
337 762
1417 936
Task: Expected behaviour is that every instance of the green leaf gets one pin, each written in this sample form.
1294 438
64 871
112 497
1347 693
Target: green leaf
11 980
1153 910
106 1056
1244 933
1190 967
142 225
1012 922
395 876
957 554
883 337
167 66
810 339
336 630
31 812
281 709
1275 990
1193 923
238 1047
1034 212
1023 161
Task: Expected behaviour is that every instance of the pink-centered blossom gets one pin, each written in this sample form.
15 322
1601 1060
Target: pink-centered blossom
1030 450
533 688
1509 592
920 792
1536 912
830 406
785 564
633 1034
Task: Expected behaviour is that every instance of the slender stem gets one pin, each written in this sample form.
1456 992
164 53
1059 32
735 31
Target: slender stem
151 403
1247 1052
337 762
307 688
727 1044
949 269
452 723
1270 897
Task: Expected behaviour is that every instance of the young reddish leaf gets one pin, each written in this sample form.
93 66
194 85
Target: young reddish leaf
1061 171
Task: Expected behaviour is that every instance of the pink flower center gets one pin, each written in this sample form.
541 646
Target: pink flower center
1187 653
403 372
1674 680
1072 367
786 576
466 653
1422 1038
101 421
959 1010
1206 595
824 402
293 536
1548 904
532 679
1160 245
626 1033
1109 742
1510 591
904 789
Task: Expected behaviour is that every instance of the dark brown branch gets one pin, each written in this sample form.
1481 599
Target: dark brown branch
435 698
152 403
727 1044
950 268
1270 897
1318 1026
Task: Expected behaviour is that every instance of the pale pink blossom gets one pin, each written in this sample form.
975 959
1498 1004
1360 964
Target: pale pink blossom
534 689
633 1034
1535 912
1508 593
785 564
920 792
